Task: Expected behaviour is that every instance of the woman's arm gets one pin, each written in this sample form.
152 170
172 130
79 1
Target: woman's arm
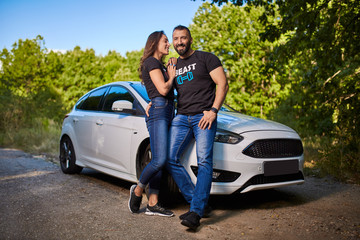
158 78
159 81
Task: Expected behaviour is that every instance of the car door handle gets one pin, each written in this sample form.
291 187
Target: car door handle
99 122
75 120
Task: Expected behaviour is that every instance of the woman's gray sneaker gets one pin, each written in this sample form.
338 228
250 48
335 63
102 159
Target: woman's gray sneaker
158 211
134 201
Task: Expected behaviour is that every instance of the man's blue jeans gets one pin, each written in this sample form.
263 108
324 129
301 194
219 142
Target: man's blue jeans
183 129
158 123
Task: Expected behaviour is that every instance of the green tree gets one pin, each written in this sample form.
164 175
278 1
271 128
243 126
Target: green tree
322 47
24 81
81 73
111 65
323 41
232 33
23 67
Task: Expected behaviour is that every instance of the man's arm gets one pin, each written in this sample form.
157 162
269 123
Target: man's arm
219 78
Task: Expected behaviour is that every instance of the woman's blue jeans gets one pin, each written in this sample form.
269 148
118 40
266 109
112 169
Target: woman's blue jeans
158 123
183 129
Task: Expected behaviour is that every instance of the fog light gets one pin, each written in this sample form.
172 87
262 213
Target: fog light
220 175
215 175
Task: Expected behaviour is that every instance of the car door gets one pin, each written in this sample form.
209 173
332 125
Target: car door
85 124
116 131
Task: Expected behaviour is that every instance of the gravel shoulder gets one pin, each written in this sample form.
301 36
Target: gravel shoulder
38 201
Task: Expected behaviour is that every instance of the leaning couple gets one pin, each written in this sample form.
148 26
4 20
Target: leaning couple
201 86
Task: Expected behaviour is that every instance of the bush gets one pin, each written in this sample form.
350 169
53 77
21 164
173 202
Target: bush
328 156
40 136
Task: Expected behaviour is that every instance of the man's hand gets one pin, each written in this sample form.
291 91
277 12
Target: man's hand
207 120
148 108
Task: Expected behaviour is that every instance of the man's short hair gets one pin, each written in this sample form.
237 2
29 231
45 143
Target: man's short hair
181 27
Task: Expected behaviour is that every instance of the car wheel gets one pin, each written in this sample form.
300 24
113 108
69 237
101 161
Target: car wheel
68 157
169 192
144 160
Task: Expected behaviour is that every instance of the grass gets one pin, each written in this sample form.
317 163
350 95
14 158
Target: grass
39 137
326 157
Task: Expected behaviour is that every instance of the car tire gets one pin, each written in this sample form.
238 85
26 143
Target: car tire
169 191
68 157
144 160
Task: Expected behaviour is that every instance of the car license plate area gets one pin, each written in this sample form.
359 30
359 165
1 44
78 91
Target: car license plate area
274 168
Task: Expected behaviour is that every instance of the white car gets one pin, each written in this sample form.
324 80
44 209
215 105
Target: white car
106 131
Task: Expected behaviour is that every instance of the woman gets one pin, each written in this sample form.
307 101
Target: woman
159 86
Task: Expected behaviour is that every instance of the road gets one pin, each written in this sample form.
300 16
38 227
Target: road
38 201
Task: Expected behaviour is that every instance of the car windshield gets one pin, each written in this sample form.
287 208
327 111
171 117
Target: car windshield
140 88
227 108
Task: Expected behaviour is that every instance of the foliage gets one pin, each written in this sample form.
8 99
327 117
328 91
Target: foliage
232 33
38 87
24 84
24 68
321 50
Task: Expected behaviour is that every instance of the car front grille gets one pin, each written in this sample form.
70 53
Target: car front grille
274 148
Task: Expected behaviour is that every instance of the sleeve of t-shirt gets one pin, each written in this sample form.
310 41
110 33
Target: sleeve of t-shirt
212 62
151 63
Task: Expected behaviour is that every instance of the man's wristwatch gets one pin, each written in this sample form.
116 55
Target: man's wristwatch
214 110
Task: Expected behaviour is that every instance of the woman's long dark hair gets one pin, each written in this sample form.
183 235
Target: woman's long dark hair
150 48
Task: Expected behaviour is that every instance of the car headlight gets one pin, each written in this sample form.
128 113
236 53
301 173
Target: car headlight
224 136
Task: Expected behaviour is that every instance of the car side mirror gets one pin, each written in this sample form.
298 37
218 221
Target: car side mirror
122 106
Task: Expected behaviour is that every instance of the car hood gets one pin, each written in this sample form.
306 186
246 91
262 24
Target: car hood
240 123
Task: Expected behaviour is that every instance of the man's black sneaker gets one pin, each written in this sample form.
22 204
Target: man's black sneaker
183 216
192 220
207 213
134 201
158 211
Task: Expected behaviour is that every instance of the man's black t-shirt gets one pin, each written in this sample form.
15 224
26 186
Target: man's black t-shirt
149 64
196 89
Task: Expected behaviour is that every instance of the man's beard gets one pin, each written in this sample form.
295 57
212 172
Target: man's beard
183 51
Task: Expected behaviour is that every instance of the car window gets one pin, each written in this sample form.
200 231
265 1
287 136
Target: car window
117 93
140 88
93 101
81 101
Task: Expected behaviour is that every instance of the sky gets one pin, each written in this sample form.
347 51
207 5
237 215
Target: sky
103 25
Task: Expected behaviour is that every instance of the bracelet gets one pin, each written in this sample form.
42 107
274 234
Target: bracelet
213 109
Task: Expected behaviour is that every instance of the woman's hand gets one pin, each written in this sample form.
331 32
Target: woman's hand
171 67
148 108
172 60
171 70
